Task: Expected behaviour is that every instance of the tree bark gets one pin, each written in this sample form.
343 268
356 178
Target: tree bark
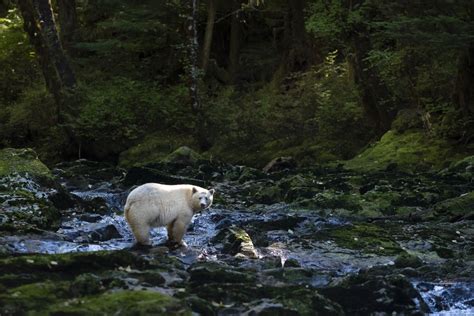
31 27
464 89
50 35
299 53
67 21
234 50
373 93
59 78
211 17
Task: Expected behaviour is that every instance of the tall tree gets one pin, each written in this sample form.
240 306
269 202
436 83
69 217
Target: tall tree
40 25
234 49
211 17
67 21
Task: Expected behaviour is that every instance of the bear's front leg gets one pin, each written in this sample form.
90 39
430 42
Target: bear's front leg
176 232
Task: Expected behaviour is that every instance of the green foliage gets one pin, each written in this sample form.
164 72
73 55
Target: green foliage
308 121
17 59
121 110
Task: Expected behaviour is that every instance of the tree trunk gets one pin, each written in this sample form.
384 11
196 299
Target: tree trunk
464 90
59 78
211 17
373 93
234 49
67 21
299 54
4 6
31 27
50 35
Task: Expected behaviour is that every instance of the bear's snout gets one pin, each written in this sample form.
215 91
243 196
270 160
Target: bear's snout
203 205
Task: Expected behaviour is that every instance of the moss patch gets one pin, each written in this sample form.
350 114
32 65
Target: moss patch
366 237
123 303
153 149
21 161
410 151
459 207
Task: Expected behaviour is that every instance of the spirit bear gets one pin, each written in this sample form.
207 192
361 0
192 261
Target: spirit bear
154 205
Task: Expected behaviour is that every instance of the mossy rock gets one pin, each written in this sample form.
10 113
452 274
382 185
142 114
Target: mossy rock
153 148
123 303
365 237
28 206
366 294
411 151
21 161
71 263
235 241
208 272
183 155
457 208
48 298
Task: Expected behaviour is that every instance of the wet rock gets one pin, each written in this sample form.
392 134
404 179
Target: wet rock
85 174
73 263
406 260
366 237
236 241
208 272
26 206
96 232
279 164
366 294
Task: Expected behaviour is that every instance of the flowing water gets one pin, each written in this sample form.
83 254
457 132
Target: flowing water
279 232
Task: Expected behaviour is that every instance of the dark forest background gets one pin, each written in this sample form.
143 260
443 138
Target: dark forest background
319 80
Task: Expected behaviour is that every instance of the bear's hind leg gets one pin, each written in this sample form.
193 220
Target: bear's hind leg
142 234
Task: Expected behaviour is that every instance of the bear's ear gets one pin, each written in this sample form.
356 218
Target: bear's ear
212 191
194 190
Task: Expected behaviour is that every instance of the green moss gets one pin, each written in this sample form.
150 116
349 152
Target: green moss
123 303
456 207
153 149
71 263
183 154
36 296
410 151
366 237
21 161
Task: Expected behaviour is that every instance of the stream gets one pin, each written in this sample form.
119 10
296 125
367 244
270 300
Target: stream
318 249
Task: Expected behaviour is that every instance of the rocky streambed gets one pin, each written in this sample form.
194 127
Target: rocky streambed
285 242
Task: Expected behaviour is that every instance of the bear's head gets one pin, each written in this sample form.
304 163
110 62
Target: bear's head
202 198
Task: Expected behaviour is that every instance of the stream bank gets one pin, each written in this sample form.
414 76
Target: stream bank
290 241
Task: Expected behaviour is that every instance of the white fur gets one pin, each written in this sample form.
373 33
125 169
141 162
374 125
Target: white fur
153 205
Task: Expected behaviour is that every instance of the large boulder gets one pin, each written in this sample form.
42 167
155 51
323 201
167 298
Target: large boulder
21 161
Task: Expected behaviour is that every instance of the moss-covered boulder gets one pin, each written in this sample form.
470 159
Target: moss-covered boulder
367 238
184 155
367 294
236 241
457 208
410 151
153 149
209 272
21 161
28 206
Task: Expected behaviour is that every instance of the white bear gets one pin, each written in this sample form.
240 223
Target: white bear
154 205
